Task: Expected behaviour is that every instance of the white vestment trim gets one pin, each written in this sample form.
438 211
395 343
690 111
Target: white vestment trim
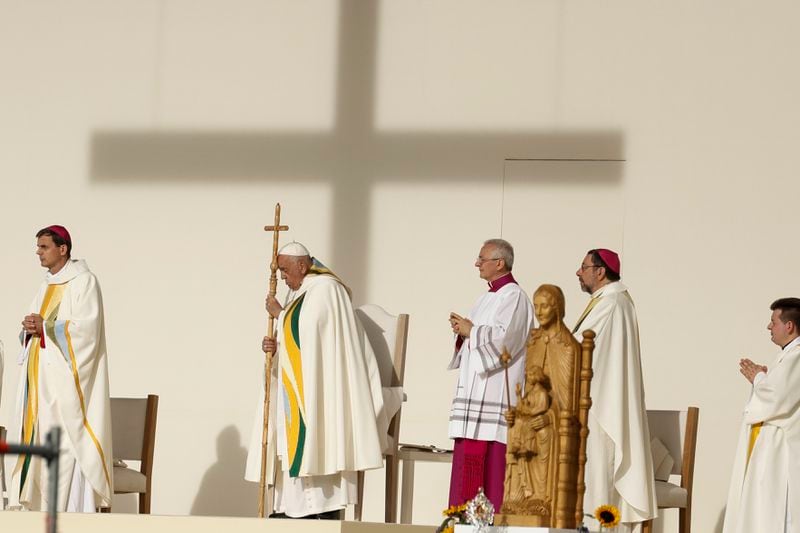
303 496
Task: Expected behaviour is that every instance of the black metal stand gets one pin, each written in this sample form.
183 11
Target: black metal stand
50 452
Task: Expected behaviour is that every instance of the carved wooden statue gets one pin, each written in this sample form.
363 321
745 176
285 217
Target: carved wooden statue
546 450
530 441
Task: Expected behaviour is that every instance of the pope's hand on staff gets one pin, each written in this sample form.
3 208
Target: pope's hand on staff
273 307
269 345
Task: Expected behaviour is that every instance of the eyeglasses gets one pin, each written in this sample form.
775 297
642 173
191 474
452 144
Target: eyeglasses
481 260
585 267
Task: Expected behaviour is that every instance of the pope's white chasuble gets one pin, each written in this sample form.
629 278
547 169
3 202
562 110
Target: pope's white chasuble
330 414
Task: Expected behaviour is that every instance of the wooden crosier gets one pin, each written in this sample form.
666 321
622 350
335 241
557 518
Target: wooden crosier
273 288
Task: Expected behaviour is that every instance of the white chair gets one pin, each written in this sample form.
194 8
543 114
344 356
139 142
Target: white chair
677 430
133 433
388 335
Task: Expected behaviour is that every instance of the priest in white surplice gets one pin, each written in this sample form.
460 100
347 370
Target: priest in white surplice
619 467
501 320
64 383
329 416
764 494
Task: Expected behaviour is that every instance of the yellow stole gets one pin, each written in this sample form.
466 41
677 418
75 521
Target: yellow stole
49 308
755 429
589 307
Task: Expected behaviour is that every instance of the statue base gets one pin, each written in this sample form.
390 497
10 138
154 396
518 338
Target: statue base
506 519
466 528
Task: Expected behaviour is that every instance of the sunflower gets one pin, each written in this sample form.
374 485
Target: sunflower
453 515
454 510
607 515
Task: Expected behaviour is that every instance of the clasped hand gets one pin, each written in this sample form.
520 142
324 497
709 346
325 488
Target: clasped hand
32 324
460 325
749 369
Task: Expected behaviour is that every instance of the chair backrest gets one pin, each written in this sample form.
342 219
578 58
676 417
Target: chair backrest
133 428
678 431
388 335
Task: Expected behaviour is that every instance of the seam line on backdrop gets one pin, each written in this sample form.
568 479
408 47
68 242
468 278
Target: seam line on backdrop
503 185
624 217
158 62
502 196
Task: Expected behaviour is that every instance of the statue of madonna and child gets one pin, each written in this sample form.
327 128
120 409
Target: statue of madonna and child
547 429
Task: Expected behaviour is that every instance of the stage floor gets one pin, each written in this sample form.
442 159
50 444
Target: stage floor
30 522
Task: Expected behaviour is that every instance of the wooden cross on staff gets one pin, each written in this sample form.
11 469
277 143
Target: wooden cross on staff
273 288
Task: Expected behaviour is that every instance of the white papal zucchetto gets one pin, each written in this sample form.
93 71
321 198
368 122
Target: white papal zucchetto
294 249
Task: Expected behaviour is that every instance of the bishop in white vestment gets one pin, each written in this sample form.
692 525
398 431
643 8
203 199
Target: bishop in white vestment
619 467
764 494
64 384
329 414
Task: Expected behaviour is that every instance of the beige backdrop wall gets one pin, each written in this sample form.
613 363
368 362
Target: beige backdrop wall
398 136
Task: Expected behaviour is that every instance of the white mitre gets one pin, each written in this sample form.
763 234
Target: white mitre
294 249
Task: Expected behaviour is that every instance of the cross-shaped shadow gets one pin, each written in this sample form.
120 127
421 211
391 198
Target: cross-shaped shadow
353 156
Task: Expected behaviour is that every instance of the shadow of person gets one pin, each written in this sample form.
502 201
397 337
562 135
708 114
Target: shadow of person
223 490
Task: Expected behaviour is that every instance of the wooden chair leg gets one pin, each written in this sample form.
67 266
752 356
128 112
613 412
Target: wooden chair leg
391 489
685 520
407 492
144 503
647 527
359 507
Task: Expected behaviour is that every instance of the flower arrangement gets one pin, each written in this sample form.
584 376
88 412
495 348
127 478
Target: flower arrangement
478 512
455 514
607 515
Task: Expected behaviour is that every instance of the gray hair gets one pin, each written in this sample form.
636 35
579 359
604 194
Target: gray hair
504 251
